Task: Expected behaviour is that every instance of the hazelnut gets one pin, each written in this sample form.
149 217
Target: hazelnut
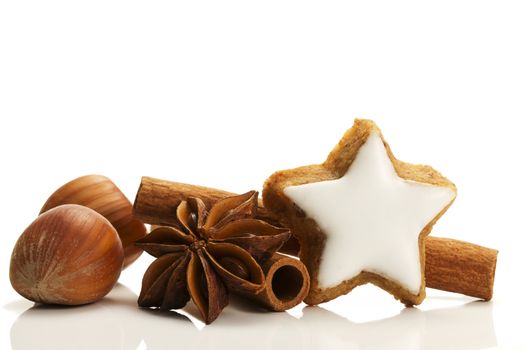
70 255
103 196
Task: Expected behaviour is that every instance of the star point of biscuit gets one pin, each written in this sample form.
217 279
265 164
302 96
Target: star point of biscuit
361 216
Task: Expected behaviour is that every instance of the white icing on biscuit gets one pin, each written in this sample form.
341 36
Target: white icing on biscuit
372 219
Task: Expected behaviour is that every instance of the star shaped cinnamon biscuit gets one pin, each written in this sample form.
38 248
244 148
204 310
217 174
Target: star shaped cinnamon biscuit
361 216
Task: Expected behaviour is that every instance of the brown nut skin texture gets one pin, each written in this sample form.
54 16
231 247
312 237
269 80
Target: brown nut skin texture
70 255
102 195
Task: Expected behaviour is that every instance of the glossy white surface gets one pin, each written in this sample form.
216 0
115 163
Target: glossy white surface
372 219
116 323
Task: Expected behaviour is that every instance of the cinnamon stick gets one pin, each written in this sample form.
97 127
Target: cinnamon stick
286 283
450 265
460 267
157 200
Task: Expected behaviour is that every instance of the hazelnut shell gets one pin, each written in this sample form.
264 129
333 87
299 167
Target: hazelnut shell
70 255
102 195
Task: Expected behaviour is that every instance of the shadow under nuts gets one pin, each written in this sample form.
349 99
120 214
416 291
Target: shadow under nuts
70 255
103 196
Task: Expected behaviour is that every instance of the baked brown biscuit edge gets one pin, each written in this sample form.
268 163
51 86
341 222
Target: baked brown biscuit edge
310 236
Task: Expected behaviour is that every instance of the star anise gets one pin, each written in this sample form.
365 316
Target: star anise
208 253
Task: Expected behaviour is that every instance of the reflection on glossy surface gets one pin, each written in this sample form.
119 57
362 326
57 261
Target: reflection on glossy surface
117 323
101 325
465 327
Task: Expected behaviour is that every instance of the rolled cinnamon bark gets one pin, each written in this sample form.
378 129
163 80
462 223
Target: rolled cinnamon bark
157 200
286 283
460 267
450 265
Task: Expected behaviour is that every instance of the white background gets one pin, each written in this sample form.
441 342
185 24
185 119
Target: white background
223 93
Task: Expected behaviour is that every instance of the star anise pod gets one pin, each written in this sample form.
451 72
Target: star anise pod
208 253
